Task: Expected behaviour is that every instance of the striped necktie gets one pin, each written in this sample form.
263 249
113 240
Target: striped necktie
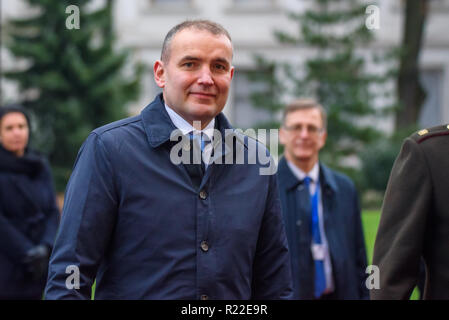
201 141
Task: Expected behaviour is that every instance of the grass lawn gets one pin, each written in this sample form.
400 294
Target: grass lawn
370 221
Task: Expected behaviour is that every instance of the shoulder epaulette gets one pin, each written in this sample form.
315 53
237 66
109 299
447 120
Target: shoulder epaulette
425 134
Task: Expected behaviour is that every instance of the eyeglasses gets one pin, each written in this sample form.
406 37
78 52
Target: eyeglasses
311 129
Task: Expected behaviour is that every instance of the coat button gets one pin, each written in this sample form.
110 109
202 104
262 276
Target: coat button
204 246
203 195
204 297
298 222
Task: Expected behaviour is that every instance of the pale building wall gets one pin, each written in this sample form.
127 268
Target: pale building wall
142 24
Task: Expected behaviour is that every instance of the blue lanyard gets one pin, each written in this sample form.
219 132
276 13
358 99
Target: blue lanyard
315 226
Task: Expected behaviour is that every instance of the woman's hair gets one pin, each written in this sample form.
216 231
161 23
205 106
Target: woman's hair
11 108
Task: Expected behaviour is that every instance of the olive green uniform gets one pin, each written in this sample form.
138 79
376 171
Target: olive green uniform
415 219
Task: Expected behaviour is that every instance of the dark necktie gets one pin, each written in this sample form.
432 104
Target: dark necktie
196 168
200 141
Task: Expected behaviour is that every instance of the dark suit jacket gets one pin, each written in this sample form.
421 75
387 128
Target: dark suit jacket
415 219
343 230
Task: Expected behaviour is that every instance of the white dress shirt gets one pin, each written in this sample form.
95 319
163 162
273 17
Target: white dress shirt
314 174
186 128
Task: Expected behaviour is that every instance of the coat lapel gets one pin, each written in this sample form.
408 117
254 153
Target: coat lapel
296 210
329 191
27 192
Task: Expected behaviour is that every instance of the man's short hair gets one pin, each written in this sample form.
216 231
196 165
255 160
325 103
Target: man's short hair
303 104
206 25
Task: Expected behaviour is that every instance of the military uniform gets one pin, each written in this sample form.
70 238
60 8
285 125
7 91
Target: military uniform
415 219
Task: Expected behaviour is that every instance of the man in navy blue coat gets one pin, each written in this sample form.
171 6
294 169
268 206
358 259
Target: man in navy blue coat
147 227
320 210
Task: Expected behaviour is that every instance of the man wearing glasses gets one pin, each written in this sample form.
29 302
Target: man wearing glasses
320 210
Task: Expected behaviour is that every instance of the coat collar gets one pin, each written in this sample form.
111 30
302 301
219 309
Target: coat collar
327 177
30 164
158 125
289 181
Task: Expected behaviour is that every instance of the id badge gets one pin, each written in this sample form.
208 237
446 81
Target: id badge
317 251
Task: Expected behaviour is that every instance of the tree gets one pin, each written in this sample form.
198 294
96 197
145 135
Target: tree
335 75
74 80
411 94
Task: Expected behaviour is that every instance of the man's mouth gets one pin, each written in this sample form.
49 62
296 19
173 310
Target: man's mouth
203 95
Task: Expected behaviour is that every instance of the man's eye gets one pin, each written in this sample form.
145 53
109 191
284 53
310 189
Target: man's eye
220 67
188 64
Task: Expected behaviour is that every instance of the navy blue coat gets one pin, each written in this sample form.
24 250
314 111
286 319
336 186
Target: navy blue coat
343 228
135 222
28 217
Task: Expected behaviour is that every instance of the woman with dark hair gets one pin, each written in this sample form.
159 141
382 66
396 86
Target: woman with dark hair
28 212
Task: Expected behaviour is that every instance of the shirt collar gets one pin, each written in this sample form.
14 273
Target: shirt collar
300 175
158 126
186 127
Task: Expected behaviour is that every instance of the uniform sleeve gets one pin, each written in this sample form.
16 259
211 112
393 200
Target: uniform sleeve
272 277
399 239
87 222
360 247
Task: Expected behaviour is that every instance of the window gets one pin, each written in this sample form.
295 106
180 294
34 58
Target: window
244 113
170 2
252 2
432 109
253 6
171 7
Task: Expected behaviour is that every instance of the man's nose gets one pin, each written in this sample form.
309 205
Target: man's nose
304 132
205 78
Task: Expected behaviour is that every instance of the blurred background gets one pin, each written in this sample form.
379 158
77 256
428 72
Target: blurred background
378 67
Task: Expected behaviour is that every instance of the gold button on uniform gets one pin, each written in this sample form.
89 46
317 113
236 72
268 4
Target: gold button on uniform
423 132
204 246
204 297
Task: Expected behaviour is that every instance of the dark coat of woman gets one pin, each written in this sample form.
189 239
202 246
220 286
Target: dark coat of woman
28 223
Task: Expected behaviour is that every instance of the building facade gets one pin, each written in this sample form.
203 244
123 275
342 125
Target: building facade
142 24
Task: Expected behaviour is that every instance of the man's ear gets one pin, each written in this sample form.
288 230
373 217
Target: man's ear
323 139
159 73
